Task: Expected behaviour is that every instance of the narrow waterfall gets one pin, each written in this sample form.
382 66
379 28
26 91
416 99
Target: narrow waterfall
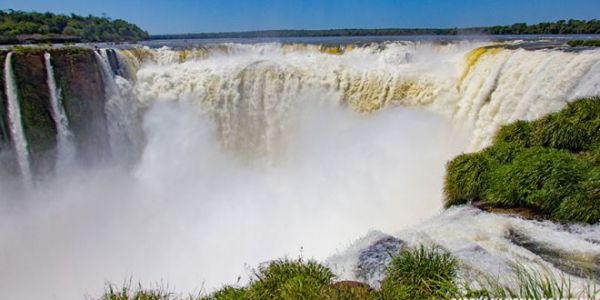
119 112
16 126
65 147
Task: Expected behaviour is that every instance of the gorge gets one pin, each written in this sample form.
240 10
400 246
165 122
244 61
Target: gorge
184 165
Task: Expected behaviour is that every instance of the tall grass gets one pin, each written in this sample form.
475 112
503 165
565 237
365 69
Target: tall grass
545 165
414 273
421 273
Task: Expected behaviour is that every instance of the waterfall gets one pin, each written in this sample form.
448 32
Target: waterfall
120 112
479 86
65 147
16 125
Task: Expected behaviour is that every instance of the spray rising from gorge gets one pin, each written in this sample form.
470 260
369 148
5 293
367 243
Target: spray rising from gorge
231 154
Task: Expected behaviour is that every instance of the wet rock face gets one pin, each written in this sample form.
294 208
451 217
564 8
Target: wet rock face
374 259
34 99
80 85
78 77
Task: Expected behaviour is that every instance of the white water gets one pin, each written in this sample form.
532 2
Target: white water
125 140
500 86
253 152
65 152
16 126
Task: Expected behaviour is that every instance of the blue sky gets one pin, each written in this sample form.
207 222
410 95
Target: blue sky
183 16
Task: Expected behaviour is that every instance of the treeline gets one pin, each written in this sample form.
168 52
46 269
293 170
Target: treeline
560 27
20 27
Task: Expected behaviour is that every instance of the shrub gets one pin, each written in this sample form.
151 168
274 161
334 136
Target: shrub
284 278
575 128
540 178
502 153
128 293
421 273
228 293
518 133
584 206
560 132
349 292
465 180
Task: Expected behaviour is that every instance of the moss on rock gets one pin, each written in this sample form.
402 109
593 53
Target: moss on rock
34 99
78 76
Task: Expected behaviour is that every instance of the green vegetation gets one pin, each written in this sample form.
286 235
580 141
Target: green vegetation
135 293
560 27
422 273
584 43
19 27
419 273
551 166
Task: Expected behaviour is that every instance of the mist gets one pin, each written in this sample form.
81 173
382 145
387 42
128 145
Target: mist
194 216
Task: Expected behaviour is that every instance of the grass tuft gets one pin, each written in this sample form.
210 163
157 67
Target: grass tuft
421 273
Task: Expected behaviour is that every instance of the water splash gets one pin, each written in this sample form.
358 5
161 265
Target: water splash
16 124
122 118
65 146
480 86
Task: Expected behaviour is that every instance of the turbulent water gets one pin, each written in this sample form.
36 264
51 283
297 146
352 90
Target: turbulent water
229 155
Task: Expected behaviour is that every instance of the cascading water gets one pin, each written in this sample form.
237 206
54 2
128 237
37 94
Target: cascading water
16 126
65 147
120 113
478 87
251 152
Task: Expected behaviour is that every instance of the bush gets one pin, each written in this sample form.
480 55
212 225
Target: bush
289 279
228 293
518 133
560 132
349 292
465 179
502 153
539 178
129 293
575 128
584 206
421 273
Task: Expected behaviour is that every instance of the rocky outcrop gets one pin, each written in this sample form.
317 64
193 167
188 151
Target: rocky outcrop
80 85
373 260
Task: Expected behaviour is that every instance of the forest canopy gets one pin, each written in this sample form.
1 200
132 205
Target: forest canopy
559 27
19 26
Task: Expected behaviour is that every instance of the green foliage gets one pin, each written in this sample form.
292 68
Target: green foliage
529 283
284 278
421 273
560 27
503 153
584 206
542 165
228 293
575 128
538 177
518 133
129 293
346 292
465 180
54 27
